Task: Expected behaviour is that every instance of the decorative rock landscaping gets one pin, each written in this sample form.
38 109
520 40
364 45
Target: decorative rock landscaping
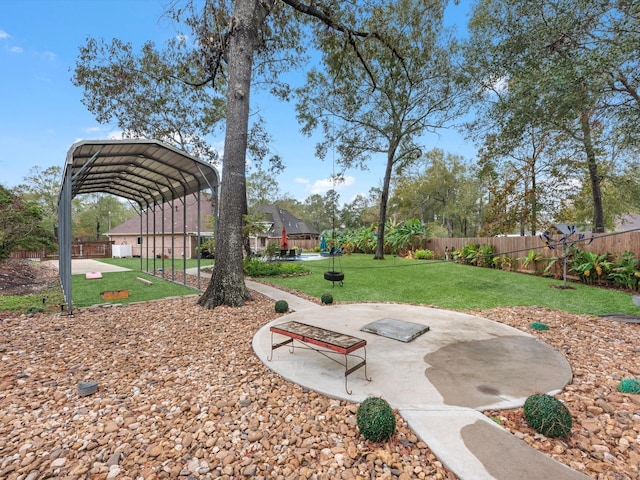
181 395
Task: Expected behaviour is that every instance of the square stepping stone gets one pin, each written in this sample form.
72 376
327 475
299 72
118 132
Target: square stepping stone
395 329
92 275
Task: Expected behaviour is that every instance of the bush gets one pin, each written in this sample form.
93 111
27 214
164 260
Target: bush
422 254
257 268
629 385
282 306
375 419
326 298
547 415
538 326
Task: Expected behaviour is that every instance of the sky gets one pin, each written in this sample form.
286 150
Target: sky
42 116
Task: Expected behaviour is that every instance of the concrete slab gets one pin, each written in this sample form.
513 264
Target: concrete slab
396 329
439 382
85 265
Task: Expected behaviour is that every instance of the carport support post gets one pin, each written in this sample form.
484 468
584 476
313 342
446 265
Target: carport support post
64 237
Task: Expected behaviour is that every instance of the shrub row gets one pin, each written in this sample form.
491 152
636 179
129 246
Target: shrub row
603 269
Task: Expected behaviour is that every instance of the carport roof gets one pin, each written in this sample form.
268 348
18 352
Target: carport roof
143 171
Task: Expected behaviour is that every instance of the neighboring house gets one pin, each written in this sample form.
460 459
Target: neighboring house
299 233
628 222
178 242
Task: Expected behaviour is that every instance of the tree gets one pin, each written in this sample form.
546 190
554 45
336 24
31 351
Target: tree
441 189
362 211
43 187
20 224
538 66
96 213
381 106
233 41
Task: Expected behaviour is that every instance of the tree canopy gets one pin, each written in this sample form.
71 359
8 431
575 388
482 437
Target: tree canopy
21 224
379 101
556 70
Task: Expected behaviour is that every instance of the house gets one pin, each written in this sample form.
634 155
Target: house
299 234
179 221
628 222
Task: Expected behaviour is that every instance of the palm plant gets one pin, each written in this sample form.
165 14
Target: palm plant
407 236
590 266
626 271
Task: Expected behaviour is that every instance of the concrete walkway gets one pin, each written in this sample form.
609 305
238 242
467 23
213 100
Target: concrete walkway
439 382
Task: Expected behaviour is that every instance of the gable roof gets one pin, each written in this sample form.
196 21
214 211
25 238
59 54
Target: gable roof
280 218
628 222
132 226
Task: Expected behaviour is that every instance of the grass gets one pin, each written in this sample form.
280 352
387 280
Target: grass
87 292
451 286
134 263
52 297
440 284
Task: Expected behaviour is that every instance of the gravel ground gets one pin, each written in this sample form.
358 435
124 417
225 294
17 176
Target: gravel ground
181 394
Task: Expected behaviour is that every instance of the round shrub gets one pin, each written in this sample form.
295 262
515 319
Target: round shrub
376 419
282 306
547 415
538 326
326 298
629 385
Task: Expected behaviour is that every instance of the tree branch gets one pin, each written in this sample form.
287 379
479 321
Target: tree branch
325 18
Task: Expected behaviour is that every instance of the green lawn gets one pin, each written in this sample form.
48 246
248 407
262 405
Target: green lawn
452 286
134 263
87 292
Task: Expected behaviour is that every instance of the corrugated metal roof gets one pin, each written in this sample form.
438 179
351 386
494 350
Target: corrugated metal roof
143 171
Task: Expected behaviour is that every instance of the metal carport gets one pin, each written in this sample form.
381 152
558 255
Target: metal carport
146 172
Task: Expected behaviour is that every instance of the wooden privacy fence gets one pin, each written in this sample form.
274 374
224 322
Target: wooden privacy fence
614 243
34 254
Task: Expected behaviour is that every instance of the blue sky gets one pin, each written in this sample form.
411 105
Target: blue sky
41 114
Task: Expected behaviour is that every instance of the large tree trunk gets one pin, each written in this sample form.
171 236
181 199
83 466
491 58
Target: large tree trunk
594 176
227 285
384 198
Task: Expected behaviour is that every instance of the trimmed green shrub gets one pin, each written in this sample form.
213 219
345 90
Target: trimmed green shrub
423 254
376 419
538 326
32 309
282 306
547 415
257 268
629 385
326 298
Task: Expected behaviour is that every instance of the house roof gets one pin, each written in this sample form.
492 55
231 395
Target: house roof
628 222
132 226
280 218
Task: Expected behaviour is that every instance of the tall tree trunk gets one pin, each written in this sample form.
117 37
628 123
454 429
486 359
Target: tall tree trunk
384 198
227 285
598 214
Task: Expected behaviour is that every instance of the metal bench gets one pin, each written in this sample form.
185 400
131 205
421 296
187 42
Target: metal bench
328 341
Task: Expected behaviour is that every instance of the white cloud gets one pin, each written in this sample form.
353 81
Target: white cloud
16 49
303 181
4 34
326 184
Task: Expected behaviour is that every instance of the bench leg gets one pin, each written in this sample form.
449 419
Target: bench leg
278 345
348 371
